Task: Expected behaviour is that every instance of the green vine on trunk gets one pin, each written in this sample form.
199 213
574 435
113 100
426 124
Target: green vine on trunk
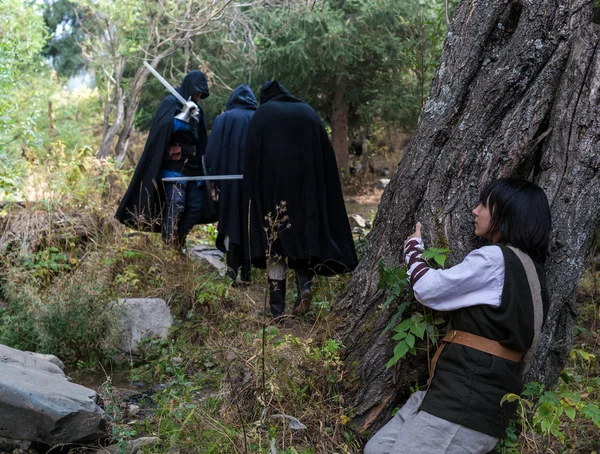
416 324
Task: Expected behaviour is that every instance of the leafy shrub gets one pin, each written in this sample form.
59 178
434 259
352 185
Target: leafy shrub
68 319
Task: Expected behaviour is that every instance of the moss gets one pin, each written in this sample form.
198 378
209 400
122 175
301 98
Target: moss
440 241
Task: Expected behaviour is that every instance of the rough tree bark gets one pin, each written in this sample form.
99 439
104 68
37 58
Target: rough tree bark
339 126
516 93
117 102
133 103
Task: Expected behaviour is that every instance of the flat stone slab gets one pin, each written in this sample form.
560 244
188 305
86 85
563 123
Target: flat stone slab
211 255
38 403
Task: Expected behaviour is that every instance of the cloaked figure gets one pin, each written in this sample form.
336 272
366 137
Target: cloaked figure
290 162
225 156
174 148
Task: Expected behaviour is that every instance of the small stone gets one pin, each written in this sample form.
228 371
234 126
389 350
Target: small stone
358 230
176 361
356 220
10 445
133 446
133 410
383 182
369 224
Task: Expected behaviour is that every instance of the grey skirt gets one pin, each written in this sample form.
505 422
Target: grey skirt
417 432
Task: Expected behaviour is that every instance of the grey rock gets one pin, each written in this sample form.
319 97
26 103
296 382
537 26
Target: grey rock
358 230
12 355
50 358
369 224
382 183
8 444
211 255
39 404
356 220
295 423
133 446
139 319
133 410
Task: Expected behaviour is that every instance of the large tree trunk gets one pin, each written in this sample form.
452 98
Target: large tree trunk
339 126
516 93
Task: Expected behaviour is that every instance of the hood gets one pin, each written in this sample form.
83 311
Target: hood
243 97
270 90
194 81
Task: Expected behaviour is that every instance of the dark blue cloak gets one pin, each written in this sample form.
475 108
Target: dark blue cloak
141 206
225 156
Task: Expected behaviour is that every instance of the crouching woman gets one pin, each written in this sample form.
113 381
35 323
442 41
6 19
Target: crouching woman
498 301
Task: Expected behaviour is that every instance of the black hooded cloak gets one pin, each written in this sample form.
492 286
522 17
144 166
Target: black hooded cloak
289 158
141 206
225 156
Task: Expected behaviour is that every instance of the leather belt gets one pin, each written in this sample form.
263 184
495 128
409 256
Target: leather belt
478 343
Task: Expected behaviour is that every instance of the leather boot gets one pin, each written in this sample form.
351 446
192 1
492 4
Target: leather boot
277 297
233 263
246 276
304 298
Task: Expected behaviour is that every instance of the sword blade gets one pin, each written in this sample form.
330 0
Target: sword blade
203 178
167 85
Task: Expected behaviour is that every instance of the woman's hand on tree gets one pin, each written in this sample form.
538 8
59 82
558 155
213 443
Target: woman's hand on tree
417 233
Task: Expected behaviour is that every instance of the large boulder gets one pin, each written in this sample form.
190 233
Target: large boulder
139 319
38 403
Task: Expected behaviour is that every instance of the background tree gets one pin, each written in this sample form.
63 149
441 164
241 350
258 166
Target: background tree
120 35
63 48
22 36
515 94
227 56
352 60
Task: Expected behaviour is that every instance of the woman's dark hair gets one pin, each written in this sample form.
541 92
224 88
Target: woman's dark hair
520 215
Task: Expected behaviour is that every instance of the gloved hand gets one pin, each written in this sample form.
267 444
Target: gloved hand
190 105
189 109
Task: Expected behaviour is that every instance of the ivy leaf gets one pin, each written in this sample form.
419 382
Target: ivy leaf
404 326
399 336
399 352
440 260
396 316
418 330
570 412
438 250
410 340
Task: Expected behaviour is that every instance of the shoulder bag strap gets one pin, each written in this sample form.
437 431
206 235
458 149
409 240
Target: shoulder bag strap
538 309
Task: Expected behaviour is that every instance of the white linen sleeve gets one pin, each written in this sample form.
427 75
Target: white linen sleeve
478 279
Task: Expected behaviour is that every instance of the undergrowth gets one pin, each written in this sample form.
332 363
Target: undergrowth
204 384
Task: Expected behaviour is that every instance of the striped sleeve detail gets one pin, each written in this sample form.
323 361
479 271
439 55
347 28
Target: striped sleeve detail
419 271
417 267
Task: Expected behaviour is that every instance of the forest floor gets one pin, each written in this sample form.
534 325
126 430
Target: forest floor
227 380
